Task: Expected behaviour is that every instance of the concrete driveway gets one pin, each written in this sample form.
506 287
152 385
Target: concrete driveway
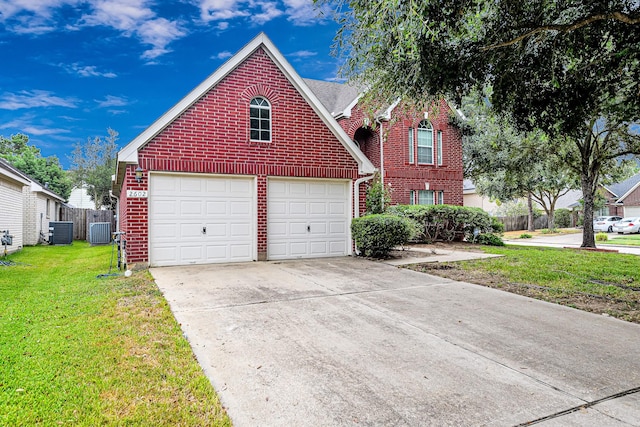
346 341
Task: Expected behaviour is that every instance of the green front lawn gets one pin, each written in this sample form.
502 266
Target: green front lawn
601 282
78 350
626 240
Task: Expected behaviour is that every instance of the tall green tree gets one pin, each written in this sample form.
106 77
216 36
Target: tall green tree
93 164
560 66
28 159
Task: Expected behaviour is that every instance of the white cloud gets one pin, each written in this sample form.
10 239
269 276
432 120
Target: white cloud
223 55
222 26
25 124
112 101
302 54
269 11
87 71
34 99
304 12
133 18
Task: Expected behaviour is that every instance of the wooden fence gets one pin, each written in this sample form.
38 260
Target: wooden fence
514 223
81 219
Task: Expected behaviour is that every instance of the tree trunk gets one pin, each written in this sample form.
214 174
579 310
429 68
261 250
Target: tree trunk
588 240
530 224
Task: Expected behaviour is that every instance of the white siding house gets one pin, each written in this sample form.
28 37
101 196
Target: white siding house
11 205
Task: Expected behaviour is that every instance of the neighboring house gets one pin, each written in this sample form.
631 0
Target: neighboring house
623 198
79 198
12 182
39 206
253 165
472 198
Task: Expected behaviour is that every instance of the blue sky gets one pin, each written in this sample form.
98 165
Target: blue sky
73 68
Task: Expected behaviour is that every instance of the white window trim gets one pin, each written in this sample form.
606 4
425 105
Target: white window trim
412 155
429 148
439 149
260 130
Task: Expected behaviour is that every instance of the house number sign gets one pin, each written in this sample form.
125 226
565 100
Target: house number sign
140 194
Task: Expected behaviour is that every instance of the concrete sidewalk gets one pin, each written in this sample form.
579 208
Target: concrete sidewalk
438 255
573 240
346 341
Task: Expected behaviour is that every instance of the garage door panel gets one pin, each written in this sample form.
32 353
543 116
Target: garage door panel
297 208
240 208
307 218
317 208
224 206
190 208
632 211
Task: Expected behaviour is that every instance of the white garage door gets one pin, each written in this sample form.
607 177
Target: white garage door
307 218
632 211
200 219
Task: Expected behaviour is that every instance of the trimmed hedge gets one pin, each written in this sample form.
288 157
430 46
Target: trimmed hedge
448 222
376 235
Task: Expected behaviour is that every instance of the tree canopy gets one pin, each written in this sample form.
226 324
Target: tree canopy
93 163
559 66
27 158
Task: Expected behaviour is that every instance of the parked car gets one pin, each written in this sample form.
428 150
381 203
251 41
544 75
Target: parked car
627 225
605 223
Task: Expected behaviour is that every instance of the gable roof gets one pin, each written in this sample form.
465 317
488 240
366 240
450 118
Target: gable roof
7 169
622 189
338 98
11 173
129 154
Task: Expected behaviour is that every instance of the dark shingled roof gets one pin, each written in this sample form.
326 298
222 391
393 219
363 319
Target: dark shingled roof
621 188
334 96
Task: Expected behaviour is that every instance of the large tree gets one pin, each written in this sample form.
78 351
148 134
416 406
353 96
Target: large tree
561 66
27 158
93 163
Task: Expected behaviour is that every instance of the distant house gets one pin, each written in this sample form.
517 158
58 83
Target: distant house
257 163
623 198
472 198
12 207
37 206
79 198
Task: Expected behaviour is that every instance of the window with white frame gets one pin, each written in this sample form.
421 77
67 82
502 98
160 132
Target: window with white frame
48 208
425 143
441 197
411 145
426 197
412 197
260 118
439 148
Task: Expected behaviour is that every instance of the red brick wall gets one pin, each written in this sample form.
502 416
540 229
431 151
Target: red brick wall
398 172
212 136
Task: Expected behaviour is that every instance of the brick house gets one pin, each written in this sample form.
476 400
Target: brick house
622 198
255 164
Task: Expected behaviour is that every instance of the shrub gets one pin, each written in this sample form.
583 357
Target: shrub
445 222
496 225
378 196
490 239
602 237
525 236
376 235
562 218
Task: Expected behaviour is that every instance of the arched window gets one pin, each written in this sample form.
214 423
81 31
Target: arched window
260 118
425 142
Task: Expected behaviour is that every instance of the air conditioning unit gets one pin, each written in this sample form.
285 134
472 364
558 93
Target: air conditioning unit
100 233
60 232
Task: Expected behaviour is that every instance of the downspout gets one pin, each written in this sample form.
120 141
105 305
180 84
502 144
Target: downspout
113 196
381 163
356 199
356 193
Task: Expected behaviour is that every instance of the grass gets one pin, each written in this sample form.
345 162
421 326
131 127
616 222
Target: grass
626 240
601 282
78 350
518 234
